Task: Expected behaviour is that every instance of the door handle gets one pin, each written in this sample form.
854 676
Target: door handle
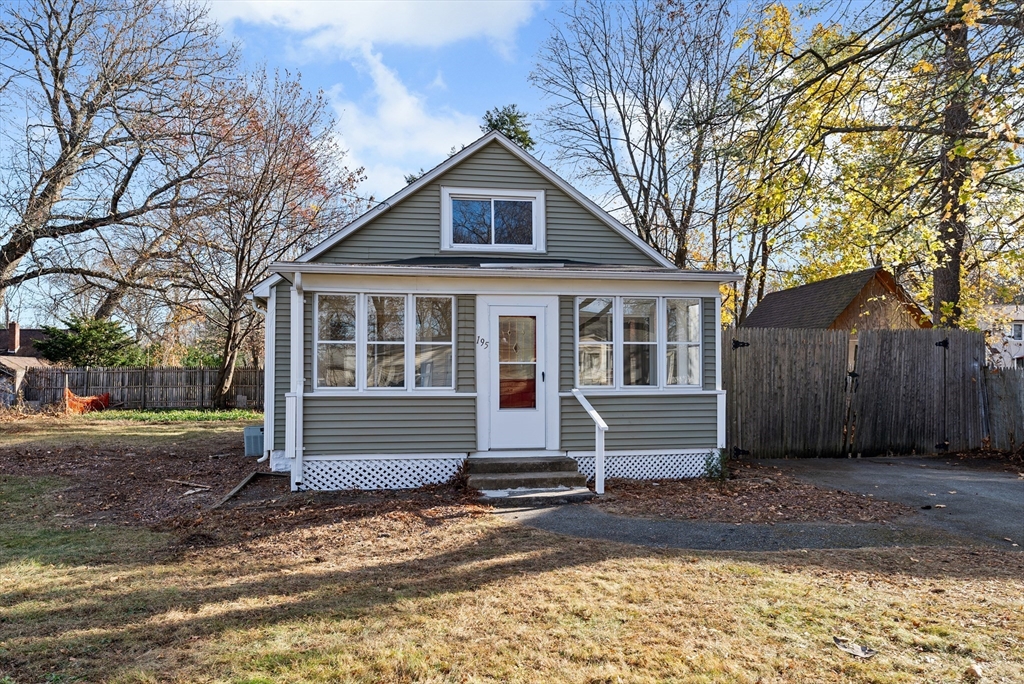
542 376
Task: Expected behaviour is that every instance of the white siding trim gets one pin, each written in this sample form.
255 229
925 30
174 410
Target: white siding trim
393 457
270 321
721 420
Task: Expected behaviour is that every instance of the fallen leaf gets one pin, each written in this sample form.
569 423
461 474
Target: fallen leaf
847 646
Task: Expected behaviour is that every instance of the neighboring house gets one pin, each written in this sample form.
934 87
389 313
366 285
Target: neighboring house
455 319
18 341
865 300
1004 328
17 355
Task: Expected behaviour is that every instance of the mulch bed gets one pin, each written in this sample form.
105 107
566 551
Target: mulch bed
751 494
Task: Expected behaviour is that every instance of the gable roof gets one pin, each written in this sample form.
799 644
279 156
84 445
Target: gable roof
458 158
818 305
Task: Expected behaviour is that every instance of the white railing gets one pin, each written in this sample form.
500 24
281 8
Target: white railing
600 427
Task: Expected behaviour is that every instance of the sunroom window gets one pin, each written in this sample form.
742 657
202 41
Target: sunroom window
385 341
336 341
492 220
683 341
639 341
596 341
378 342
434 342
658 343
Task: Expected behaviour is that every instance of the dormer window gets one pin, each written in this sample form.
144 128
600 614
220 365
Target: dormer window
492 220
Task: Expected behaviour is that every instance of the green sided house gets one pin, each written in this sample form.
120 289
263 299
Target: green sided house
489 310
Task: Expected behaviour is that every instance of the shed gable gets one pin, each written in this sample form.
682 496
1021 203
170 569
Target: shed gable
412 228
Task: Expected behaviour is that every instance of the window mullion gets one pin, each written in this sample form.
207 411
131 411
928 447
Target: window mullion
662 342
617 335
410 342
361 343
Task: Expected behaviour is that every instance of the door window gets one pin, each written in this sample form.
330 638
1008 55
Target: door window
517 362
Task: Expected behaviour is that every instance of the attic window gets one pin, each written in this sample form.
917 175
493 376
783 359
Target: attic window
492 220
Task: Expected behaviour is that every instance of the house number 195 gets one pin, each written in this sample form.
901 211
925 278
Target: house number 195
482 342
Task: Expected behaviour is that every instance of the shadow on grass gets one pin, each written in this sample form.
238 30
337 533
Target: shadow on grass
147 596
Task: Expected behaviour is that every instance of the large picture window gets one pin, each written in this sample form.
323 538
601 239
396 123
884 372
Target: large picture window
634 342
376 342
492 220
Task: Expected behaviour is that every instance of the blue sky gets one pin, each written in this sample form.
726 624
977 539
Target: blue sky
407 79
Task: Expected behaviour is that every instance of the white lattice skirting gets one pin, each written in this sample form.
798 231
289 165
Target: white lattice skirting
652 466
376 473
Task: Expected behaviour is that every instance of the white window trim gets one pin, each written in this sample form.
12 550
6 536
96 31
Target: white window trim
1017 330
617 343
539 245
362 344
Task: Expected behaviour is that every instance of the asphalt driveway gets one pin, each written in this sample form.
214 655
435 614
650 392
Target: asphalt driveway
967 506
985 505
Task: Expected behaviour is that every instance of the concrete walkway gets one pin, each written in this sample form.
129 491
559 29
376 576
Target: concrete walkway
987 507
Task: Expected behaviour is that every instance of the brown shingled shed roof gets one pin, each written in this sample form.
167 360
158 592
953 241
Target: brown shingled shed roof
818 305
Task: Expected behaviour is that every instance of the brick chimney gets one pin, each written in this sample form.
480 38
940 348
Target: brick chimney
13 337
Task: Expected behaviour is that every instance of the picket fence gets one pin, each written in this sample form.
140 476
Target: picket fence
162 387
814 393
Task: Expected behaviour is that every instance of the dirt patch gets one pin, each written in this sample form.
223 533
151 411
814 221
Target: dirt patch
752 494
134 484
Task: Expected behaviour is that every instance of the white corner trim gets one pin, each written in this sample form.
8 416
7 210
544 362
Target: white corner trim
721 420
270 332
457 159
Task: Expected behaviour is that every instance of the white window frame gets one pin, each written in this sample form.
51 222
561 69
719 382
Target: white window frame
539 244
315 351
362 304
1017 330
411 361
617 353
699 343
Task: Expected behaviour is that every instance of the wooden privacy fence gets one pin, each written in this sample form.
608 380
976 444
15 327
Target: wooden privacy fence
144 387
807 393
1004 391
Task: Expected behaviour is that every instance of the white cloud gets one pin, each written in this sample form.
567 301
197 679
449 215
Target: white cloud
358 23
393 133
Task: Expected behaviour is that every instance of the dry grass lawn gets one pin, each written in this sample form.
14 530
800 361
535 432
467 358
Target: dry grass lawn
428 587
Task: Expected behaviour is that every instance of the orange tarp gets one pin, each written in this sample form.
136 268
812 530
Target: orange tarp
77 404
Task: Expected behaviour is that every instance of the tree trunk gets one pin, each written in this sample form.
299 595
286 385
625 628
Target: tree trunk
227 367
946 310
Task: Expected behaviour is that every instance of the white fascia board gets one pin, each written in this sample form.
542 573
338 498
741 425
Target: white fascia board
457 159
567 273
262 288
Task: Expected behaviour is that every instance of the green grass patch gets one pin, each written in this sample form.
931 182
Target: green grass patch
177 415
35 528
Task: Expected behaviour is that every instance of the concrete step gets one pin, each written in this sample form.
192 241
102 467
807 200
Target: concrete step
536 497
523 464
493 481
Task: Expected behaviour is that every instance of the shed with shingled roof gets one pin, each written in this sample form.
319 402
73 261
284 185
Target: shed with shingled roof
865 300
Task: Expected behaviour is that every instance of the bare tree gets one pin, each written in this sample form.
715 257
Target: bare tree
639 91
283 189
112 113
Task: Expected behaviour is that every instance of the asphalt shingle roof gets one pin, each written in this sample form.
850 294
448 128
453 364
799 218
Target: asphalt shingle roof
816 305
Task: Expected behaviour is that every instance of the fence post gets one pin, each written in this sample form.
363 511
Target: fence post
144 373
